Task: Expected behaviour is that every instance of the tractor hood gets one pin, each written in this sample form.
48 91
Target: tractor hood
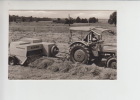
109 47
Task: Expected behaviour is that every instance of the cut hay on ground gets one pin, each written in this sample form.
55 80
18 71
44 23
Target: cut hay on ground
41 63
77 70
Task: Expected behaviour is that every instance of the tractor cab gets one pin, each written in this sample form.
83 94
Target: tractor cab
90 35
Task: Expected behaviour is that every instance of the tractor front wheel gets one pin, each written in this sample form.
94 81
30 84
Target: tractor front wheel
79 53
111 63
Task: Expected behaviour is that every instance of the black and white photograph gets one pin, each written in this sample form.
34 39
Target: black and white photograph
62 45
69 50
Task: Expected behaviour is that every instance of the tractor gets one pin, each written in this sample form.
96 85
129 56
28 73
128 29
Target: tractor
23 51
92 48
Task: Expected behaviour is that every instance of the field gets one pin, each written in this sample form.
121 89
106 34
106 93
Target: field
58 68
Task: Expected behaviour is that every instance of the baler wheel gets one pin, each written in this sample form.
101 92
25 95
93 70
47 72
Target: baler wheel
12 60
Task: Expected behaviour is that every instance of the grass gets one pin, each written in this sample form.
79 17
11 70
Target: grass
45 30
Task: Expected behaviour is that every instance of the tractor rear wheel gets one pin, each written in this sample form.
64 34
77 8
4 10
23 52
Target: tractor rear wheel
112 63
79 53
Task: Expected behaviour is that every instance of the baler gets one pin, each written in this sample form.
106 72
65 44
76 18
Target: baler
28 48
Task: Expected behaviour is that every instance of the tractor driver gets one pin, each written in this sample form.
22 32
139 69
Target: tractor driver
94 38
91 37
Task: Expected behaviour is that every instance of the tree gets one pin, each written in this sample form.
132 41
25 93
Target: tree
10 18
113 18
58 19
96 19
84 20
14 18
69 21
30 18
23 19
93 20
78 19
66 21
35 19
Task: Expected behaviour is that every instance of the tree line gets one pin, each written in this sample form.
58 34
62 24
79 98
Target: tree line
14 18
81 20
70 20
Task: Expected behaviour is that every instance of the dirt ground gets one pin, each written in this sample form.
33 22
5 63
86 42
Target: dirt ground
60 68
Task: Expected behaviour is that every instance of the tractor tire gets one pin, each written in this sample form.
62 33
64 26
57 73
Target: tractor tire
12 60
79 53
112 63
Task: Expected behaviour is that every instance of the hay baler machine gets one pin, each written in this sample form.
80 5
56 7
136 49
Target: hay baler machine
21 52
92 48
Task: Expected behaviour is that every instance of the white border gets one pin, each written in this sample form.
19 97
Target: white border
128 39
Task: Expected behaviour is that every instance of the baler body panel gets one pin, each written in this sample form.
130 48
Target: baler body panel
17 49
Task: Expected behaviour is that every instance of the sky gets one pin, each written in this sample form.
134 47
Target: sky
100 14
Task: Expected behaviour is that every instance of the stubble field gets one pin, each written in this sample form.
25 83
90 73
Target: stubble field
59 68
